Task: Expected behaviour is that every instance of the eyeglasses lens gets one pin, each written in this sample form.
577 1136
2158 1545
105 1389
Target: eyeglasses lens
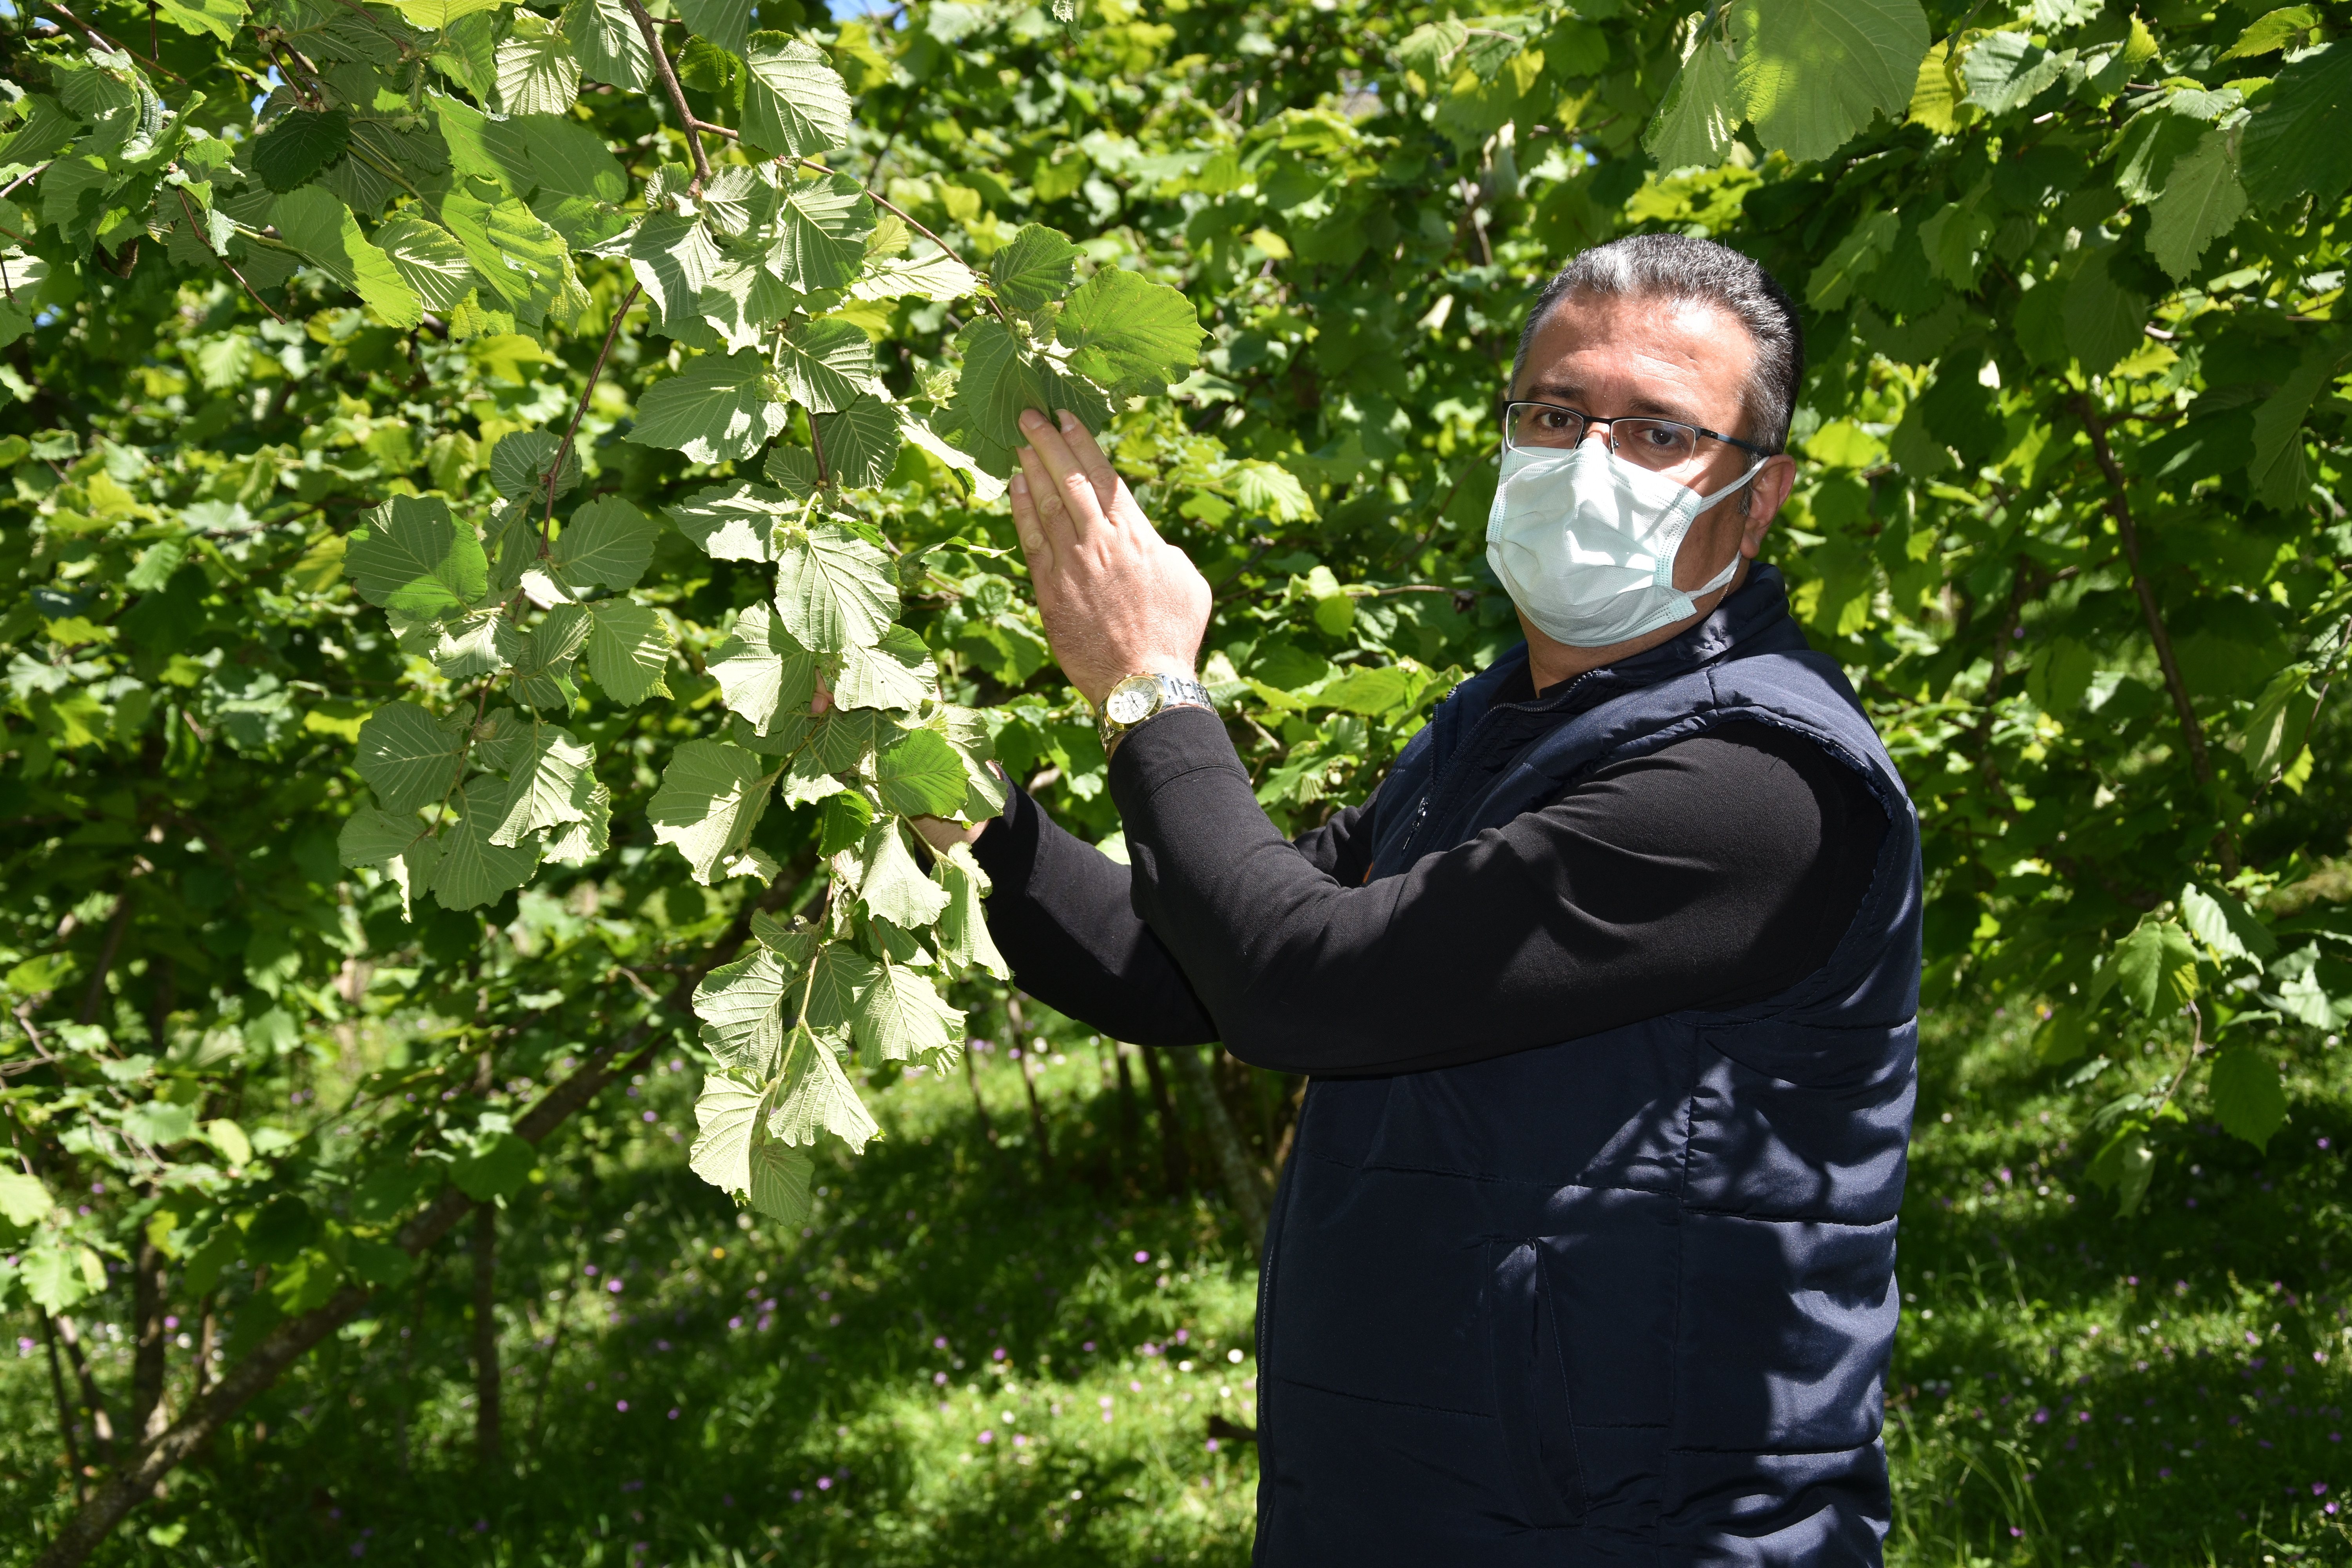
1651 443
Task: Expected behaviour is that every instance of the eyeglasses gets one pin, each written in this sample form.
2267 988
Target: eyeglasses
1651 443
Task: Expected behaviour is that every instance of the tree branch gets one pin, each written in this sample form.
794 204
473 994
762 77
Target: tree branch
293 1338
595 373
686 118
2119 507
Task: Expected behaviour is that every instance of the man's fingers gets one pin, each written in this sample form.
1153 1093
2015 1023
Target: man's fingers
1034 545
1090 459
1085 510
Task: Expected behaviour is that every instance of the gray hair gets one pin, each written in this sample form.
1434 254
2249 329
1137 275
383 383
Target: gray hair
1679 268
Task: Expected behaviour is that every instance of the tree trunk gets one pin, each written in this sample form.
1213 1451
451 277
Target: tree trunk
205 1329
65 1409
101 1428
1127 1116
1175 1169
486 1334
294 1337
979 1106
1242 1183
1016 1034
148 1414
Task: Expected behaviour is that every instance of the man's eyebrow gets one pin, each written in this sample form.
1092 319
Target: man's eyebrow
1571 393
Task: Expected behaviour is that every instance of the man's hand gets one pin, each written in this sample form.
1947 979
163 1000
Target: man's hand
1117 600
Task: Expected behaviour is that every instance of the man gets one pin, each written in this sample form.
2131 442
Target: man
1586 1252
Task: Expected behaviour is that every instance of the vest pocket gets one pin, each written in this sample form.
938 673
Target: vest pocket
1531 1386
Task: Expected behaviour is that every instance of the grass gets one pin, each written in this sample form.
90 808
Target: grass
959 1361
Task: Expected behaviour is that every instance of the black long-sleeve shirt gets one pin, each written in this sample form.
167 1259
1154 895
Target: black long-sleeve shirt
1713 871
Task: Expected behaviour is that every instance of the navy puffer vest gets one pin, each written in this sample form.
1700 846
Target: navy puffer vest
1629 1297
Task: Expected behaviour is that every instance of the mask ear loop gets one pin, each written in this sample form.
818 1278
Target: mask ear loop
1664 577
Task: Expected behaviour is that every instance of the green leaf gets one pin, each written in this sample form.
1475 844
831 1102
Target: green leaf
1129 333
610 48
549 788
473 870
1000 380
833 589
860 442
1699 118
675 258
826 366
23 1201
2155 967
2103 319
902 1019
2222 923
964 938
896 674
763 673
298 146
2248 1099
538 71
734 522
629 650
794 103
496 1167
60 1276
520 463
718 409
607 544
2275 731
2273 30
371 836
938 277
587 838
1812 72
1269 489
160 1123
712 797
435 15
408 757
921 776
780 1179
482 146
2006 71
429 260
526 263
2061 675
818 1097
1855 256
2201 202
892 885
412 557
2125 1166
838 976
741 1008
570 158
2277 470
2299 140
1035 270
726 1112
820 227
218 18
314 223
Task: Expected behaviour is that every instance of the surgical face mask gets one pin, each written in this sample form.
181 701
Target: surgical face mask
1585 542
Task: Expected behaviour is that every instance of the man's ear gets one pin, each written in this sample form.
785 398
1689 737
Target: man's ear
1771 488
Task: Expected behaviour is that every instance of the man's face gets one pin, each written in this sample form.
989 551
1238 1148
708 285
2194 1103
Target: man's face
1606 356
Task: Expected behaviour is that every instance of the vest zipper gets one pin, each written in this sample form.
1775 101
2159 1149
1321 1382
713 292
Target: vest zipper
1421 811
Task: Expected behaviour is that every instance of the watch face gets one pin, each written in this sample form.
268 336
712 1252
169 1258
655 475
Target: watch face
1131 702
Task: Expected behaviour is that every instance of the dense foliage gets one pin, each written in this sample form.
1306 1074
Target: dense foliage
381 373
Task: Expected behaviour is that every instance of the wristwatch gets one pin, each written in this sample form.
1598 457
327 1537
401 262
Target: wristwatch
1139 696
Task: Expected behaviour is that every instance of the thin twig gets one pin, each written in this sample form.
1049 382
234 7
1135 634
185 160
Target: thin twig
2118 507
222 256
99 37
886 204
580 412
676 94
